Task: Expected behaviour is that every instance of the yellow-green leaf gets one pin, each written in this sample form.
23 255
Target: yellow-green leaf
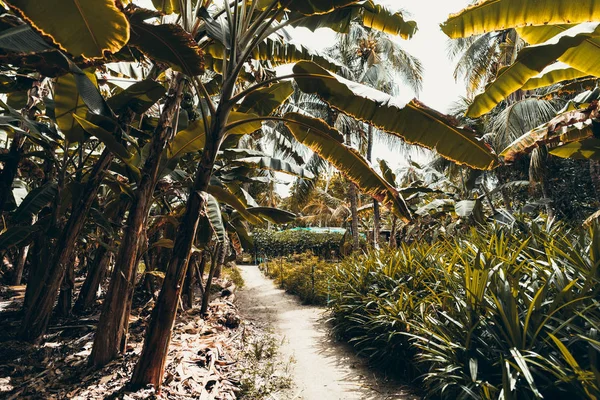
82 27
552 74
530 62
495 15
316 135
67 103
414 122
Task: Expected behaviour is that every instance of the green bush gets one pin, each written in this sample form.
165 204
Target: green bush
271 244
495 314
303 275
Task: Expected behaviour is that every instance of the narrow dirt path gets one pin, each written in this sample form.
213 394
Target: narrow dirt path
322 369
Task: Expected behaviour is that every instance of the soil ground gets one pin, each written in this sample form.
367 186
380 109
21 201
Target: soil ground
321 368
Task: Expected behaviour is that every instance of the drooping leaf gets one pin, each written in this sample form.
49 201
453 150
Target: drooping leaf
415 122
35 200
315 134
67 102
581 57
369 14
570 126
138 97
225 196
275 215
278 165
587 149
169 44
494 15
387 172
82 28
555 73
530 62
16 234
266 100
213 213
193 138
108 138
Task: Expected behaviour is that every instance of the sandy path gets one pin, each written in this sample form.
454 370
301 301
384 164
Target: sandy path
322 369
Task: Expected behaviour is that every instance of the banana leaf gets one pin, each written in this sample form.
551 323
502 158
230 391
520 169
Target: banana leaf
494 15
82 28
317 135
414 122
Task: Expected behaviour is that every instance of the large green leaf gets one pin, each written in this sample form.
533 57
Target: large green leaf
67 101
587 149
274 164
581 57
193 138
319 137
368 13
16 234
35 200
81 27
530 62
415 122
226 197
169 44
494 15
213 212
108 138
138 97
275 215
553 74
570 126
266 100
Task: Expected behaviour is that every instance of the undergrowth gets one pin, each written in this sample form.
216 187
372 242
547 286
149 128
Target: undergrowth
493 314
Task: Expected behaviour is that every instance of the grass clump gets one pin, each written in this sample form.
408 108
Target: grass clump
304 275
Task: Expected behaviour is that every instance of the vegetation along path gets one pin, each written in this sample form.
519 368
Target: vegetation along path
321 368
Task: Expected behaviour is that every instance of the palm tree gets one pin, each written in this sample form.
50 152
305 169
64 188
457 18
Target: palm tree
375 60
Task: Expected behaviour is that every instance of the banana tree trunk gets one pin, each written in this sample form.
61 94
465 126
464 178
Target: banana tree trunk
97 271
393 232
376 208
151 364
216 260
95 275
38 312
114 318
20 265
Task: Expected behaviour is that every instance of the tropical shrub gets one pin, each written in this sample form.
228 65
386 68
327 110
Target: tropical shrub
304 275
494 314
273 244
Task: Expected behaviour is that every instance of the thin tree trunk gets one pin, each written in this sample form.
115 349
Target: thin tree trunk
95 275
20 265
151 364
38 314
216 260
352 196
65 295
190 282
394 230
115 312
376 208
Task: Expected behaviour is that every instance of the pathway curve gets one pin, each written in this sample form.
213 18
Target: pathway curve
322 369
